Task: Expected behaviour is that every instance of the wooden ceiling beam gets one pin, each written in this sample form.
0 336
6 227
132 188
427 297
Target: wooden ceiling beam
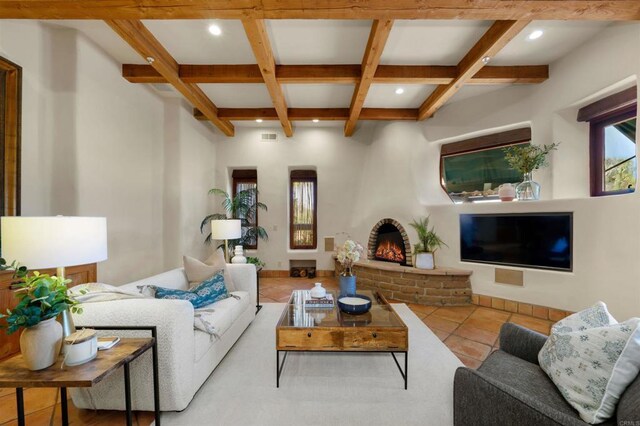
496 37
304 74
602 10
257 35
141 39
375 45
308 114
340 74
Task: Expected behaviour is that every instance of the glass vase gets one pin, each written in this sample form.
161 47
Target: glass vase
528 189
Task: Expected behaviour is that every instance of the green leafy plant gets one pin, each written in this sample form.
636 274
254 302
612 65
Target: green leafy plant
19 271
527 158
256 261
41 297
429 241
244 207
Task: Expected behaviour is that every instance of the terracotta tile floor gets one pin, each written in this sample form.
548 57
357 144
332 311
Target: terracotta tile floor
471 332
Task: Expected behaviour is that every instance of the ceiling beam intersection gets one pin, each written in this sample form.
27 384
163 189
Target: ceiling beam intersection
143 42
496 37
257 34
375 45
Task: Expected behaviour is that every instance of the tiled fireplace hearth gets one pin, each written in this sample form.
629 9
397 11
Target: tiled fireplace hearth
437 287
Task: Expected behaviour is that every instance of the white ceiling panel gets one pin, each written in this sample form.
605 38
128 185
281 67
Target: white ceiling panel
318 95
467 92
190 42
238 95
431 42
318 41
104 37
383 95
558 39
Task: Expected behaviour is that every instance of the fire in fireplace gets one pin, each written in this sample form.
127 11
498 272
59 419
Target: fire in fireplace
388 250
390 245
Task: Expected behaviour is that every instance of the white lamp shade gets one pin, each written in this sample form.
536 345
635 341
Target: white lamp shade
51 242
228 229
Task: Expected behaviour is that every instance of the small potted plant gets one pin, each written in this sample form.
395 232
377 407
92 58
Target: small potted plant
347 255
428 243
526 159
41 299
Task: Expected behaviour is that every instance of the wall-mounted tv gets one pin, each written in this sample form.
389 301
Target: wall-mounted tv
531 240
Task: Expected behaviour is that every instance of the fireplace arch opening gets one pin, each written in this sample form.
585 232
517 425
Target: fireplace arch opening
388 242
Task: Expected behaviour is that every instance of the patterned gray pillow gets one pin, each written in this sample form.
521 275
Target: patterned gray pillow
592 366
596 316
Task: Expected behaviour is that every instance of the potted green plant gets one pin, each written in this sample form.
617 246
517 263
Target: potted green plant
526 159
41 299
428 243
243 206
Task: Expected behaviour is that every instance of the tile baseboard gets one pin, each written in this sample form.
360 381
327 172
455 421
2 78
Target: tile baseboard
535 311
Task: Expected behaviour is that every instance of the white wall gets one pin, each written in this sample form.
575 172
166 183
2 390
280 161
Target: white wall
606 230
94 144
337 160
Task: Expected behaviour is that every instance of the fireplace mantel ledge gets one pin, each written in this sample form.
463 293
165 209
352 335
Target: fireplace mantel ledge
387 266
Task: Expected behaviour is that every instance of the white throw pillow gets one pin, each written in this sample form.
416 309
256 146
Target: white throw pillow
592 366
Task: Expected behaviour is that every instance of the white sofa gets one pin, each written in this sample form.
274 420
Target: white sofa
186 356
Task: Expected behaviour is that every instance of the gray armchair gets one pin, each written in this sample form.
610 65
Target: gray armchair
510 388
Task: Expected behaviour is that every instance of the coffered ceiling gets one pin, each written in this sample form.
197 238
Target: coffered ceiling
334 70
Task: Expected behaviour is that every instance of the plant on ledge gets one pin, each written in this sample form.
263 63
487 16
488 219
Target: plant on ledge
428 243
525 159
243 206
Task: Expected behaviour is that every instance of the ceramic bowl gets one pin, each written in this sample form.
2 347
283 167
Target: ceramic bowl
356 304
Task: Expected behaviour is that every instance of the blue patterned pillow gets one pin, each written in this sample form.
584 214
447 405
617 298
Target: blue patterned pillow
207 292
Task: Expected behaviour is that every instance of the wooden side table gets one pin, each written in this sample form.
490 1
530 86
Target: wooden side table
14 373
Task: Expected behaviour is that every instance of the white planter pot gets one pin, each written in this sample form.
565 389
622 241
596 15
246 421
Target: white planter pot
425 261
40 344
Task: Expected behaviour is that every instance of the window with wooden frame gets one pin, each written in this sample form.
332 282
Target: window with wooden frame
472 170
10 111
303 210
613 167
243 180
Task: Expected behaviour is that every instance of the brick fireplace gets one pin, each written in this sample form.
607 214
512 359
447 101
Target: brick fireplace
389 242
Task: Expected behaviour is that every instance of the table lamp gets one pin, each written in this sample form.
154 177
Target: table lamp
226 229
54 242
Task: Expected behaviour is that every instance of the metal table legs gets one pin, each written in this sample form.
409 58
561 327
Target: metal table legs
404 373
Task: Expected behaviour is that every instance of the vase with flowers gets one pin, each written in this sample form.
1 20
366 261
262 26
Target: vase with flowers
526 158
347 255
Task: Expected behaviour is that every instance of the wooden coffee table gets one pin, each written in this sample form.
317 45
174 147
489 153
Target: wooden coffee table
303 329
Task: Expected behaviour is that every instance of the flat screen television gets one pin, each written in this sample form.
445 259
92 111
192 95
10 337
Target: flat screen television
531 240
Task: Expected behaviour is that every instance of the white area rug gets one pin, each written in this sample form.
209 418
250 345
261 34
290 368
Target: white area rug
325 389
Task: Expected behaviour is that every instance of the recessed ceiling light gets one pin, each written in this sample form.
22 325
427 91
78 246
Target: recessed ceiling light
315 120
215 30
535 34
258 120
486 60
399 91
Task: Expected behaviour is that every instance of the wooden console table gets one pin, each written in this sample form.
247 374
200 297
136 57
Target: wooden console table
14 373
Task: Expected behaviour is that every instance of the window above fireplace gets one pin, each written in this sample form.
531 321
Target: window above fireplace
472 170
